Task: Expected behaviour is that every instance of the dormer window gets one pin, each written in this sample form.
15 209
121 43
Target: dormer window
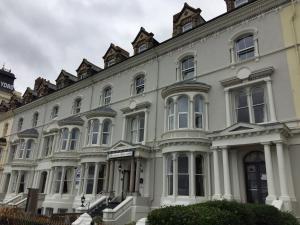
238 3
142 48
187 26
111 62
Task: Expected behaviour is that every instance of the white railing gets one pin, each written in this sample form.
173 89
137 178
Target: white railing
98 201
121 209
16 198
20 203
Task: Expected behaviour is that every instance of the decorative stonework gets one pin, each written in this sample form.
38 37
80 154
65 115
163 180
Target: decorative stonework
143 38
114 55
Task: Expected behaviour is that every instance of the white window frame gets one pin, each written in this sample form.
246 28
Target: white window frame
20 124
169 174
139 86
185 71
200 113
48 145
250 49
183 174
35 119
28 151
107 98
22 148
54 112
200 174
91 132
77 105
108 133
64 138
183 113
68 179
76 139
138 130
171 116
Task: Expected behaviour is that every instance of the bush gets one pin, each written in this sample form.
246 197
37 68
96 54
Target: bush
288 219
221 213
244 214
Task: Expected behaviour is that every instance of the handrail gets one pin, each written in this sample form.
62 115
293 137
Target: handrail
20 202
98 201
113 214
13 199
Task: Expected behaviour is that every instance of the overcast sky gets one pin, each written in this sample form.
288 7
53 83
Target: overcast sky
41 37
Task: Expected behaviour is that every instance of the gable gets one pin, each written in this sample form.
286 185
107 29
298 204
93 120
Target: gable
122 145
187 13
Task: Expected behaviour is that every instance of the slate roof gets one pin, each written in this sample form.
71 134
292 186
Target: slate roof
72 120
101 111
33 133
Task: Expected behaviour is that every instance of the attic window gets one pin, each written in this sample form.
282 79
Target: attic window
111 62
238 3
187 26
142 48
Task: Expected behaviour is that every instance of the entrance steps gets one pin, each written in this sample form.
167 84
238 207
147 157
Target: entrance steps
16 201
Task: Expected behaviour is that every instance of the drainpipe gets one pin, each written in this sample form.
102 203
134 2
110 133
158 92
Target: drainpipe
293 18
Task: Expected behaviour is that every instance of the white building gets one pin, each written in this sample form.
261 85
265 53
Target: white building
209 114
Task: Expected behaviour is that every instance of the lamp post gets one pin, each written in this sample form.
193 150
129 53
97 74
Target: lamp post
82 201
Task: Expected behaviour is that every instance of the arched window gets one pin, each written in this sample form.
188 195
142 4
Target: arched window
21 149
169 174
198 112
183 103
187 68
64 135
183 174
20 124
93 131
35 119
77 106
54 112
29 147
258 104
241 107
244 47
74 138
106 132
139 84
171 114
107 96
199 176
5 129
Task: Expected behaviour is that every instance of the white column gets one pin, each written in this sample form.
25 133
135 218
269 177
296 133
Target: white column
227 182
232 53
146 126
38 179
227 107
166 121
269 170
96 176
217 183
282 172
132 172
206 116
124 129
175 177
249 100
164 175
256 53
53 185
191 112
111 177
73 181
63 174
47 181
50 177
12 177
271 101
106 176
175 113
18 181
86 173
81 179
192 175
137 175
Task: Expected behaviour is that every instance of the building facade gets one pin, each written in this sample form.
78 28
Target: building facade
211 113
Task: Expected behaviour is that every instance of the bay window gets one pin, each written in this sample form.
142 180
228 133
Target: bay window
48 145
29 146
57 181
199 175
242 107
198 110
101 177
21 149
93 131
171 114
74 137
183 103
67 182
169 175
106 132
90 179
183 174
64 135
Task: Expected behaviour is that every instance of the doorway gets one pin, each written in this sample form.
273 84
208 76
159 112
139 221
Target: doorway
256 177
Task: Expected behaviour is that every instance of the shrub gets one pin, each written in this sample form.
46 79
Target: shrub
288 219
191 215
265 214
244 214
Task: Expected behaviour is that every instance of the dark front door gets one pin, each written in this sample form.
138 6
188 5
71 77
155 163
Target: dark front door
256 178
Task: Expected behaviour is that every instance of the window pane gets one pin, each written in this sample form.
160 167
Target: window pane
183 104
243 115
258 113
170 184
241 100
183 120
89 186
183 164
183 184
199 185
258 96
198 120
199 165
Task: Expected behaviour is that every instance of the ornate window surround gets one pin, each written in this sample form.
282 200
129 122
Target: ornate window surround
143 74
178 61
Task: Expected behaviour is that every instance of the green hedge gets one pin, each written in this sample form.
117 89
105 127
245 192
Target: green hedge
220 213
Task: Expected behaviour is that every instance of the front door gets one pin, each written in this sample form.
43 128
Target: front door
256 178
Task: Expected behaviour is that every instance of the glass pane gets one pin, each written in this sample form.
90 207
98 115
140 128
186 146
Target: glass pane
241 100
170 185
99 185
91 171
170 107
199 165
95 138
95 125
198 121
183 164
183 104
198 104
171 122
105 138
183 120
243 115
258 96
259 113
183 184
89 186
199 185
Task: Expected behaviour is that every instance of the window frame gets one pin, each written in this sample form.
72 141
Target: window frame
169 175
108 132
74 139
185 71
20 124
139 88
180 113
185 174
239 52
199 113
64 138
77 105
35 119
107 98
186 27
91 132
143 47
170 114
201 175
54 112
138 129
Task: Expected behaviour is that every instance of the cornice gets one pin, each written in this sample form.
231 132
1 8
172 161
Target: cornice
184 141
215 25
